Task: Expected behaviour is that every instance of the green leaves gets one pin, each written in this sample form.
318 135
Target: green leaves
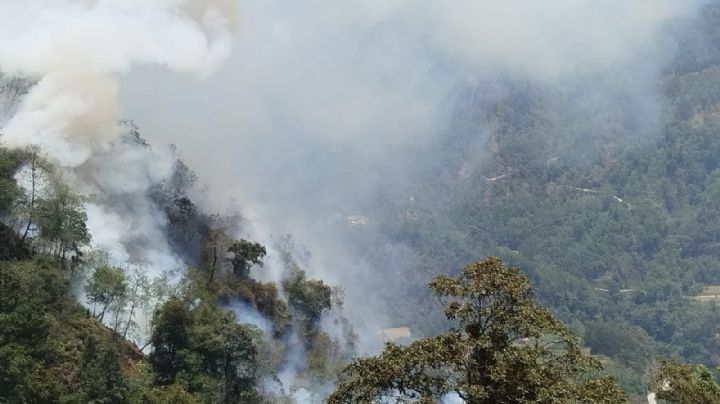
308 298
204 347
677 382
243 255
105 286
505 348
61 219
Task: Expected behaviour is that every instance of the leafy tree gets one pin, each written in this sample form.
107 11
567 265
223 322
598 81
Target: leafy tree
309 299
61 220
202 346
51 350
106 286
142 390
9 163
504 348
678 382
237 361
265 297
139 297
170 336
11 244
243 255
35 172
101 379
24 329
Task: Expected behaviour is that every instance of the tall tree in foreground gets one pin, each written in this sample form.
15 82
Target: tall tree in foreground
504 348
678 382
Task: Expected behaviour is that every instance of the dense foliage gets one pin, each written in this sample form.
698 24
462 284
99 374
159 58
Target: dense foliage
677 382
52 350
202 340
614 217
504 349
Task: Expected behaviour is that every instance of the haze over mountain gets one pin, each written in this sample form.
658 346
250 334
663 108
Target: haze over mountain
278 183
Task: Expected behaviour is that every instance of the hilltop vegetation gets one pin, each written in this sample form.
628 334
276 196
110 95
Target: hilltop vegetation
199 334
56 350
198 348
614 219
615 222
503 348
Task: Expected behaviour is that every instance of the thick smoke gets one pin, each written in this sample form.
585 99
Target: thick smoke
319 105
324 103
77 51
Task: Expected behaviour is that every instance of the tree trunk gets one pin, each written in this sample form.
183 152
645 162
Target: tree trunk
214 263
102 313
116 323
132 310
33 180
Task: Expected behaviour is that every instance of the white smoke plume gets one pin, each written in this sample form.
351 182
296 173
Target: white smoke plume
319 103
322 103
77 50
246 314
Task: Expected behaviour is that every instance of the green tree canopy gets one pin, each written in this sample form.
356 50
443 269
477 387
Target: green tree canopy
308 298
244 254
678 382
201 345
504 348
104 287
61 220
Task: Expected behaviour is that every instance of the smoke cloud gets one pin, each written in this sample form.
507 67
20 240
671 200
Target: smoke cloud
77 50
325 103
314 109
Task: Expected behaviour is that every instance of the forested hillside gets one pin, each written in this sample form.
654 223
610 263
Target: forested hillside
615 226
587 173
76 327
